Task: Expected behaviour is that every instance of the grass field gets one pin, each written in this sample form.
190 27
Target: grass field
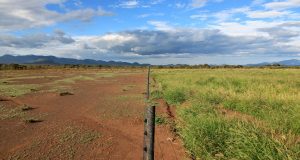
235 113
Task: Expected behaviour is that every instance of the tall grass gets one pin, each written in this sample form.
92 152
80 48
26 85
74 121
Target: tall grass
236 113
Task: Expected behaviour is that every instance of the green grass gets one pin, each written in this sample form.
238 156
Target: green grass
160 120
15 90
20 77
269 99
74 79
175 96
104 75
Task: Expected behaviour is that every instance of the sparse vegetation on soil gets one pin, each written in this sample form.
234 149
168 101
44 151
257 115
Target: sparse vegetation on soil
16 90
99 121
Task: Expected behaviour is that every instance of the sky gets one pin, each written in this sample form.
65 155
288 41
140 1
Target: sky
153 31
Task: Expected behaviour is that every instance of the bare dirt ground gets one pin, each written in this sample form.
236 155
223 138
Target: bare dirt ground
101 118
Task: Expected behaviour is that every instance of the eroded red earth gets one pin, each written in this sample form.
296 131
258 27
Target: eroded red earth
102 119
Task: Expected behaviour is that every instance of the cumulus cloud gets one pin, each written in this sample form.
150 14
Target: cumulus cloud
259 9
19 14
179 42
267 14
38 40
280 33
285 4
190 41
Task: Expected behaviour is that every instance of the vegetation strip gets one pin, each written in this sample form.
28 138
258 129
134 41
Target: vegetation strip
265 103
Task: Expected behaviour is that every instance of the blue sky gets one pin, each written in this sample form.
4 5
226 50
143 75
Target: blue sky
153 31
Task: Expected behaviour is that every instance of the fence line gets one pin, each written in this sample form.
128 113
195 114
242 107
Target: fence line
149 126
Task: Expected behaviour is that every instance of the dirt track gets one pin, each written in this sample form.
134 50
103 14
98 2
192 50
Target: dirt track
102 120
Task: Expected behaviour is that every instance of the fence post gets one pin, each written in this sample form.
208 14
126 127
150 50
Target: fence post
148 83
151 132
149 126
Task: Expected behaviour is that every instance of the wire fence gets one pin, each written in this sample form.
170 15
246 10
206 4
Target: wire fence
149 129
149 125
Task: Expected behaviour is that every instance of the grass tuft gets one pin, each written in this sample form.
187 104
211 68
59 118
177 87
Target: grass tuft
160 120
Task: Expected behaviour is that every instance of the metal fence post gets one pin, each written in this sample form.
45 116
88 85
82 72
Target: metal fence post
148 83
151 132
149 126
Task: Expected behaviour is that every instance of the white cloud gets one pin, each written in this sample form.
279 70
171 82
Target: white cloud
161 25
227 15
258 2
33 13
129 4
225 35
235 14
254 38
280 5
246 28
199 16
267 14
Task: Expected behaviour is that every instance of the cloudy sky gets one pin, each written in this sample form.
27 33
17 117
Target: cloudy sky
153 31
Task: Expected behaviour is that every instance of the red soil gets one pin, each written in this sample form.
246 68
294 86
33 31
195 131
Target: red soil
69 122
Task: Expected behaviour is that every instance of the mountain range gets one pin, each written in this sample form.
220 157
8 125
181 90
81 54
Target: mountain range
291 62
52 60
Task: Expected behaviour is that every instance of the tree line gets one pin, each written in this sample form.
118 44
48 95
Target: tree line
81 66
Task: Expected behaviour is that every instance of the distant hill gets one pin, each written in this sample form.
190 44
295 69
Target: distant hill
52 60
291 62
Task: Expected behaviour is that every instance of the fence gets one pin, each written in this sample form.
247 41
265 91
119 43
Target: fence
149 125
